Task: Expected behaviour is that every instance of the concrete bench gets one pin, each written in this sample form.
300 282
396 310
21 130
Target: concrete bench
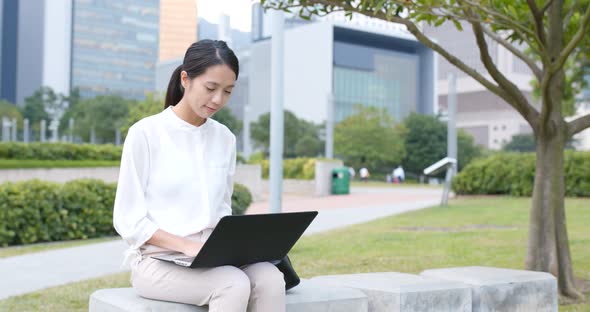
391 291
495 289
309 296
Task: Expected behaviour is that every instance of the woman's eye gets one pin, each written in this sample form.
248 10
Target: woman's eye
228 92
210 89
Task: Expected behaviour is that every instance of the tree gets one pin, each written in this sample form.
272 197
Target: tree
426 143
526 143
301 137
520 143
225 117
554 31
151 105
34 108
370 138
103 115
10 110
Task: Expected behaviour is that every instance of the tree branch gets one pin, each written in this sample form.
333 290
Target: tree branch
518 101
546 6
537 21
578 125
534 68
565 53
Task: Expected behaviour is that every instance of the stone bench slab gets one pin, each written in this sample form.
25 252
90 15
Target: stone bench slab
496 289
309 296
391 291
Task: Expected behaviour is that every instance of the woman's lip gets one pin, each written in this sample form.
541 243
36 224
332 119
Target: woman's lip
211 110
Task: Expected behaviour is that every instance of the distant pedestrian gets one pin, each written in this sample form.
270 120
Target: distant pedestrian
351 172
364 173
399 174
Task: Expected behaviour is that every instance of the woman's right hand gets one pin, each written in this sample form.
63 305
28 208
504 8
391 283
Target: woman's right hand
191 248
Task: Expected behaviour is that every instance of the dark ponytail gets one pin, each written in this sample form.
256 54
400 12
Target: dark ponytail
200 56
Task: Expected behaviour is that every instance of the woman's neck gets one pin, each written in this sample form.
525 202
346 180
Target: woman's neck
184 111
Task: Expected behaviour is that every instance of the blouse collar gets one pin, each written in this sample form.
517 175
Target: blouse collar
182 124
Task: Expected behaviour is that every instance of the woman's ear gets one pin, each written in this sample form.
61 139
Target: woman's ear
184 80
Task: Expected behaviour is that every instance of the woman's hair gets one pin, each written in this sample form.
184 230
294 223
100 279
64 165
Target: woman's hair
200 56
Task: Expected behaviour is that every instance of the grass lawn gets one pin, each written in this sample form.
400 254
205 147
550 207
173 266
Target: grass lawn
25 249
486 231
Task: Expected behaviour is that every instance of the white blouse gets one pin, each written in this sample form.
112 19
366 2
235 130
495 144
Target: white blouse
174 176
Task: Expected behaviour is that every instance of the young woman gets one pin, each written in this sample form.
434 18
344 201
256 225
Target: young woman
176 182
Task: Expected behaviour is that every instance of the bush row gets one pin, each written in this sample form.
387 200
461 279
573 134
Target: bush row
38 211
59 151
293 168
514 174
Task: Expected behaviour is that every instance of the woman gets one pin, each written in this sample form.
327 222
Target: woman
176 182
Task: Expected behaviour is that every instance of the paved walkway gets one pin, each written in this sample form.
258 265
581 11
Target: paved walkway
32 272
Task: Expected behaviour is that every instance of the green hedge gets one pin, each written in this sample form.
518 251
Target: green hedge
38 211
514 174
32 163
59 151
293 168
240 199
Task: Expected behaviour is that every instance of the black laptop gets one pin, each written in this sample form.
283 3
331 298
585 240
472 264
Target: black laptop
246 239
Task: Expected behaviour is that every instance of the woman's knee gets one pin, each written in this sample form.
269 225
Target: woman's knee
266 278
234 282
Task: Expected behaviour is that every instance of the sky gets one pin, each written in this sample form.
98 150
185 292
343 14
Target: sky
239 12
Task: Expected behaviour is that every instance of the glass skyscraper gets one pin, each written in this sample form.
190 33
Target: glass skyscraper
114 47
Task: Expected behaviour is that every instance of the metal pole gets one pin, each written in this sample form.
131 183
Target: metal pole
330 127
26 130
451 137
43 128
276 112
14 128
452 115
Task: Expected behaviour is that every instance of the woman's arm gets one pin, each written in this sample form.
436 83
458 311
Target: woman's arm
170 241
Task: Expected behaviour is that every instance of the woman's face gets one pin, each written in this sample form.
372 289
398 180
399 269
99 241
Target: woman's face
208 92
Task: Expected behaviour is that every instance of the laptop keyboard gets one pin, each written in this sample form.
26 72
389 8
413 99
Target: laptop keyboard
188 259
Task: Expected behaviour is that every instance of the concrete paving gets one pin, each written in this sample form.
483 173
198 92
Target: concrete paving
35 271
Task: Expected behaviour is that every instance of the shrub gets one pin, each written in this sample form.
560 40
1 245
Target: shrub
59 151
37 211
514 174
240 199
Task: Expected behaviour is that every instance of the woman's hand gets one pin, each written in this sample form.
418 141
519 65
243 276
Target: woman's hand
191 248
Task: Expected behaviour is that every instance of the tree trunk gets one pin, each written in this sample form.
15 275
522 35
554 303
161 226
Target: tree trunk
548 245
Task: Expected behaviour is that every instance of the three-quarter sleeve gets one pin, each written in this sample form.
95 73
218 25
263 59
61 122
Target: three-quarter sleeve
230 179
130 216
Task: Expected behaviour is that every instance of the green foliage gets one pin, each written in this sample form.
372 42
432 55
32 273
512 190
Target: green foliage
104 114
34 108
301 139
370 138
426 143
226 117
240 199
527 143
34 163
151 105
10 110
293 168
37 211
521 143
59 151
514 174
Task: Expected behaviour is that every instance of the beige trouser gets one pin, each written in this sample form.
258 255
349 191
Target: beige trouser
256 287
